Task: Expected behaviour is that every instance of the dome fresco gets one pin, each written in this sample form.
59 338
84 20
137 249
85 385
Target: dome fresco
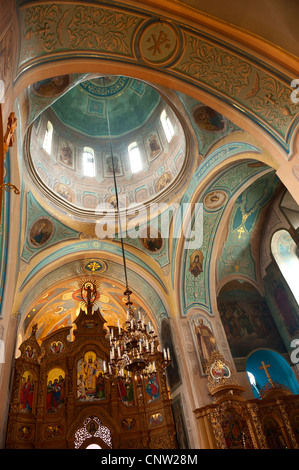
147 139
83 108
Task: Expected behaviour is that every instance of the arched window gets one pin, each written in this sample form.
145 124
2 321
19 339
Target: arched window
135 158
93 446
265 366
286 255
47 145
167 126
88 162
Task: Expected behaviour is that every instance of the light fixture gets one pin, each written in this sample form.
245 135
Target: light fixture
134 345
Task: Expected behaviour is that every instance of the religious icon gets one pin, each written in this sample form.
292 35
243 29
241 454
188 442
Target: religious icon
29 351
156 419
64 191
235 431
154 146
53 432
40 232
56 347
27 392
151 243
125 390
109 163
219 370
66 156
122 201
163 181
205 341
208 119
90 378
25 432
92 427
90 201
128 424
51 86
152 387
55 390
196 263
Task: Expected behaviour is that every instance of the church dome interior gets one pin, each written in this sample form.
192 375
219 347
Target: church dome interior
176 326
72 141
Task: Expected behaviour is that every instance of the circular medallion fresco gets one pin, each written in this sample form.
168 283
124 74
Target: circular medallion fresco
207 119
215 199
40 232
158 43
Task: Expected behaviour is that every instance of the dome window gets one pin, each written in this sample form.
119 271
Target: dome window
167 126
88 162
47 145
135 158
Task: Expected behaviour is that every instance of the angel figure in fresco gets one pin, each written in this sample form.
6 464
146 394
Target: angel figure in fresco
196 262
206 342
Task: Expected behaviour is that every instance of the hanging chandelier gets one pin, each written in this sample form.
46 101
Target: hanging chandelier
134 346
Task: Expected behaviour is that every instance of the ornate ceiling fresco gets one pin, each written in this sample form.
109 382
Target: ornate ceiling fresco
211 159
60 306
80 118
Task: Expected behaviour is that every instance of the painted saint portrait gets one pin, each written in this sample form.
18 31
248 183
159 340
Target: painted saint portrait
92 427
125 391
66 156
55 390
40 232
196 263
235 431
207 119
122 201
163 181
109 165
64 192
29 351
27 392
90 378
90 201
205 340
51 86
152 387
151 243
154 145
